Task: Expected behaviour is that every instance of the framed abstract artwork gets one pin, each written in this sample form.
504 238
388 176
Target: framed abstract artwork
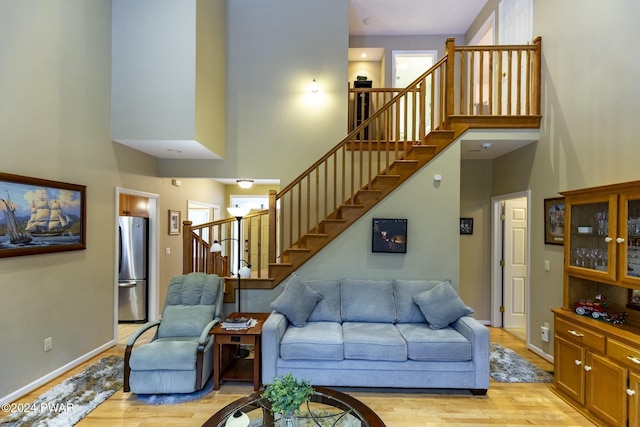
389 235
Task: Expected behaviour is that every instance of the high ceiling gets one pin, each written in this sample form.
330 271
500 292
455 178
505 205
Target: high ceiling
406 17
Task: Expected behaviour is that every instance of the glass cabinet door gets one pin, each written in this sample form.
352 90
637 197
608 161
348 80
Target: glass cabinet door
629 238
591 240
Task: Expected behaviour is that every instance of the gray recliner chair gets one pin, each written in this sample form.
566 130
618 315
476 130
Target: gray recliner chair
179 358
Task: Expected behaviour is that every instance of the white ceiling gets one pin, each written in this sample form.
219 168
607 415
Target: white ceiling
406 17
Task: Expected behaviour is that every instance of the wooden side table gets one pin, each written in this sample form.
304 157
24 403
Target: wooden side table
226 365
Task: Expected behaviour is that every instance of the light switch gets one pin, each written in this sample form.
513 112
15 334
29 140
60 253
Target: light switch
547 265
167 251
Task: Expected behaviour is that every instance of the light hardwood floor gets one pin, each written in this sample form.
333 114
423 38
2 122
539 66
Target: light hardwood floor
522 404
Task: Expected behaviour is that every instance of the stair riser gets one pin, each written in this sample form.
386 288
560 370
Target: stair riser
315 242
350 213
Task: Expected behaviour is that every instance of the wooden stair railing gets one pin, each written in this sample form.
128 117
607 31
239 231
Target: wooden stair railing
470 87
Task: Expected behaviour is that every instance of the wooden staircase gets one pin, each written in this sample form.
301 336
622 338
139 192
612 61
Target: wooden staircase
377 157
351 210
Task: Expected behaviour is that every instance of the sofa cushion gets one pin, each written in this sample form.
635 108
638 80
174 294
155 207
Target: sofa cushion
328 308
185 320
373 341
314 341
441 305
404 290
297 301
367 301
436 345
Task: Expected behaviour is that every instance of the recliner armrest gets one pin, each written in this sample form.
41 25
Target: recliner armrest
142 330
207 330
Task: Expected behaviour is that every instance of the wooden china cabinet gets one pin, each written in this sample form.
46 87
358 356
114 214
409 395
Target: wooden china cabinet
597 361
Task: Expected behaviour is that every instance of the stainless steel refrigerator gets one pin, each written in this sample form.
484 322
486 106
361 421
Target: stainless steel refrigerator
132 271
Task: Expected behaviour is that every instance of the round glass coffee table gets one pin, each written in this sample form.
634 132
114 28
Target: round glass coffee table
327 408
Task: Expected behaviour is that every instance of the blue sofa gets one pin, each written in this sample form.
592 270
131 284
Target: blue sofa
375 333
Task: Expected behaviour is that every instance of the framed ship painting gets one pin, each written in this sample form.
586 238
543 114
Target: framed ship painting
40 216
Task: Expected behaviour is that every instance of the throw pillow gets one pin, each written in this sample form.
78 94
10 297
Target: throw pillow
296 302
441 305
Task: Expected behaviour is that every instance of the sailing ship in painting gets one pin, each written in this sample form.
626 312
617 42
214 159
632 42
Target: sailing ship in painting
15 231
46 224
47 218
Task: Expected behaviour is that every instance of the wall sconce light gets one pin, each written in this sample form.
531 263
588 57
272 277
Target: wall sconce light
244 183
314 86
437 177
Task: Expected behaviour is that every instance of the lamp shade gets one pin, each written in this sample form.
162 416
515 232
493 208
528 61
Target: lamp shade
238 419
245 272
216 247
238 212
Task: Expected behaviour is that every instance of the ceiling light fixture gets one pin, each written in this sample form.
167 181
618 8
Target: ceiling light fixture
486 145
244 183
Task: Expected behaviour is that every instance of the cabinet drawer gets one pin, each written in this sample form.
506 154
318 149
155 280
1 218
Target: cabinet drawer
623 353
579 335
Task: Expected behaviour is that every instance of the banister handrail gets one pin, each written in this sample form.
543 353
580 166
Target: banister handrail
357 130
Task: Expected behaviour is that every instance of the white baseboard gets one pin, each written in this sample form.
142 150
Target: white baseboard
11 397
539 352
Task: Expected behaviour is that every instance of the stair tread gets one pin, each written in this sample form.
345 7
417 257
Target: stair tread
297 249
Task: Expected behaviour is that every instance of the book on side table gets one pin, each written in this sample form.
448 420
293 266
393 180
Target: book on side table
238 323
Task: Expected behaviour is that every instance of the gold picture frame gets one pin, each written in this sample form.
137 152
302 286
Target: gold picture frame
174 222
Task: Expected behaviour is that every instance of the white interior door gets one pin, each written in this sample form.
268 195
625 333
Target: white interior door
515 263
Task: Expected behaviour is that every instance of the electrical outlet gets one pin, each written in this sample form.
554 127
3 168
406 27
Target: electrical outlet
48 343
544 332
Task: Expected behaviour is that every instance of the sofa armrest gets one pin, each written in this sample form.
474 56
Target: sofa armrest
478 336
272 332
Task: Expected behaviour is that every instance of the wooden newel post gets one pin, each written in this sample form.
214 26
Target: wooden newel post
187 248
273 232
537 79
449 78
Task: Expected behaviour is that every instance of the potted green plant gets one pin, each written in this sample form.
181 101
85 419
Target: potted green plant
286 394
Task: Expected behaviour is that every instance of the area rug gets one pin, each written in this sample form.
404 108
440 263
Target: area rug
70 401
508 367
173 398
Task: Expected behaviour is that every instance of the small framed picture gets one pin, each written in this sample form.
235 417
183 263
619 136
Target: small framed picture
174 222
466 225
554 221
389 235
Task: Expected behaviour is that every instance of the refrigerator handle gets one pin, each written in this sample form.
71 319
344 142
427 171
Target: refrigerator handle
119 249
127 285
